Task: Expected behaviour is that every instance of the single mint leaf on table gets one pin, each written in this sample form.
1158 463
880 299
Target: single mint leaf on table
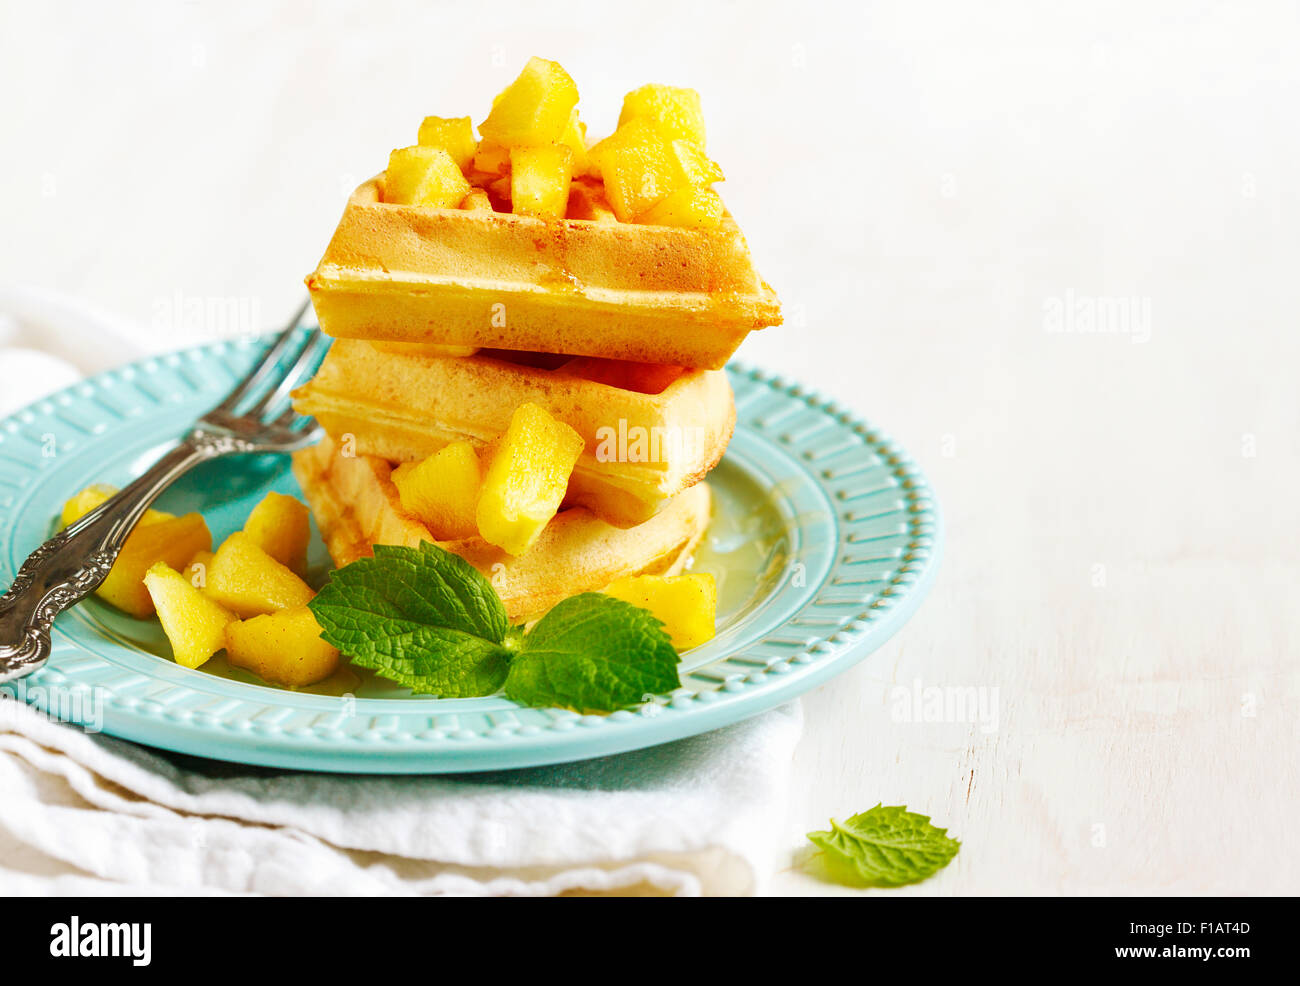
593 653
422 617
885 847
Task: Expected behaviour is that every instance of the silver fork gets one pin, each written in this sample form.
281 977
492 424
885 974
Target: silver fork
255 417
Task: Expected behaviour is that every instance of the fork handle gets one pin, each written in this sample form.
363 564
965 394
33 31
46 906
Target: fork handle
72 564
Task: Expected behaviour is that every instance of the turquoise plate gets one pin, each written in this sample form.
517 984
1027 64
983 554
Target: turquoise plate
824 541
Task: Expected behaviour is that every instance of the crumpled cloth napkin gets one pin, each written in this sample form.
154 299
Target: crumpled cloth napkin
89 814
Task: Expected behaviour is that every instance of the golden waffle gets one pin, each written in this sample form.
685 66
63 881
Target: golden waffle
356 506
650 431
585 287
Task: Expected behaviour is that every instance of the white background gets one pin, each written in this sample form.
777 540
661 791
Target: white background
925 185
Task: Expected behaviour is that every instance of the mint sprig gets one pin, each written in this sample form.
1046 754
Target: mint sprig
884 847
429 620
593 653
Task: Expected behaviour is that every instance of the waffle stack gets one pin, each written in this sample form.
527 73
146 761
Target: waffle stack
448 319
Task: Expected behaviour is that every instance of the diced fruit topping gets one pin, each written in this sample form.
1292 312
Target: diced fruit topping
499 194
284 648
124 587
540 179
587 201
95 495
639 168
534 109
676 111
281 526
442 491
687 605
245 579
492 158
655 160
173 542
697 166
193 623
455 135
424 176
696 208
526 478
575 139
475 201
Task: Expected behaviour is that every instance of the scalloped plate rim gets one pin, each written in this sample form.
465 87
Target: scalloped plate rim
569 736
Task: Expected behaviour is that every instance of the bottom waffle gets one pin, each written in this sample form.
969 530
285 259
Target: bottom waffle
357 506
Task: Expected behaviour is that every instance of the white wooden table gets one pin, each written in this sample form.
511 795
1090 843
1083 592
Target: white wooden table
1054 254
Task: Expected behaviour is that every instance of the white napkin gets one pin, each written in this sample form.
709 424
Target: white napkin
89 814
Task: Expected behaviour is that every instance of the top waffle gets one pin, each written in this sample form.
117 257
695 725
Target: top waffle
529 240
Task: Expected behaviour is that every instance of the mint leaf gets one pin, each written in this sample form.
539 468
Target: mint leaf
438 585
593 653
885 847
422 617
429 620
435 661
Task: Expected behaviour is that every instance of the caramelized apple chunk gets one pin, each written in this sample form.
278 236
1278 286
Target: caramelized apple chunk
694 208
284 648
173 541
587 201
697 166
534 109
526 479
455 135
540 179
95 495
249 582
686 605
575 139
639 168
492 158
424 176
476 201
443 490
676 111
194 624
281 526
175 544
499 194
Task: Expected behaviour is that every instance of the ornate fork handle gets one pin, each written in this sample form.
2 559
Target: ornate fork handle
72 564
